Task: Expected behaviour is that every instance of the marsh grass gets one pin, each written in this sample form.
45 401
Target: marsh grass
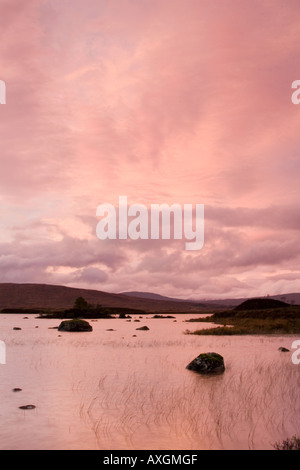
292 443
249 409
267 321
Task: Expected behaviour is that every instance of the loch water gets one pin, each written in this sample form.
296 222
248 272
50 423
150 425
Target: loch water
122 388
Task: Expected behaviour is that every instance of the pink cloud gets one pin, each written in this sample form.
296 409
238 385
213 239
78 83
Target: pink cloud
176 102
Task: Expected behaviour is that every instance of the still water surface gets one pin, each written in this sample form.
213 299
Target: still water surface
113 390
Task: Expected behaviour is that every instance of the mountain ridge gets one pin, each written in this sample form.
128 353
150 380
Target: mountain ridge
50 296
227 302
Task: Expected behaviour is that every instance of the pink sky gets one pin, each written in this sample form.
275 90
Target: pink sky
173 101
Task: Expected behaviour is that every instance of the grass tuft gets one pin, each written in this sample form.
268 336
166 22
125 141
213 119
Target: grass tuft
292 443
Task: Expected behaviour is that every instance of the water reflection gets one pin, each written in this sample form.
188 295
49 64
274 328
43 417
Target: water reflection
114 390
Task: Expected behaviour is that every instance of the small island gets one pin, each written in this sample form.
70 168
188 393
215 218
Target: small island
254 316
83 309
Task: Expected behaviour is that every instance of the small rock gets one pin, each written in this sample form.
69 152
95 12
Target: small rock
27 407
162 316
16 389
282 349
16 328
143 328
110 329
207 363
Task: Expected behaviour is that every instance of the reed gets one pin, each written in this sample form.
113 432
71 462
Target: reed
249 409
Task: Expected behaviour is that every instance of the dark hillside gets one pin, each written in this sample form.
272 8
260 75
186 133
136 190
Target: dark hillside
44 296
259 304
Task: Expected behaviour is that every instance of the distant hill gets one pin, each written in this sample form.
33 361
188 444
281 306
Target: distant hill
44 296
151 295
291 298
61 297
261 304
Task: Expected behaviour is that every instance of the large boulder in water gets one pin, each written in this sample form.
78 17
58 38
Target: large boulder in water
75 325
207 363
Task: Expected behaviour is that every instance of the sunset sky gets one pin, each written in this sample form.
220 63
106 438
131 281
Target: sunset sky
164 101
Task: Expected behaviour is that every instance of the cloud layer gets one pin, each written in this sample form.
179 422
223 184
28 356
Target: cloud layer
165 102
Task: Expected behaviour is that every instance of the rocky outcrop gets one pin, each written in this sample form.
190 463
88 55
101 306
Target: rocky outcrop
75 325
207 363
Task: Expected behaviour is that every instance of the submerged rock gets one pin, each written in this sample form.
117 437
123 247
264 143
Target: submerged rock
75 325
207 363
27 407
282 349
